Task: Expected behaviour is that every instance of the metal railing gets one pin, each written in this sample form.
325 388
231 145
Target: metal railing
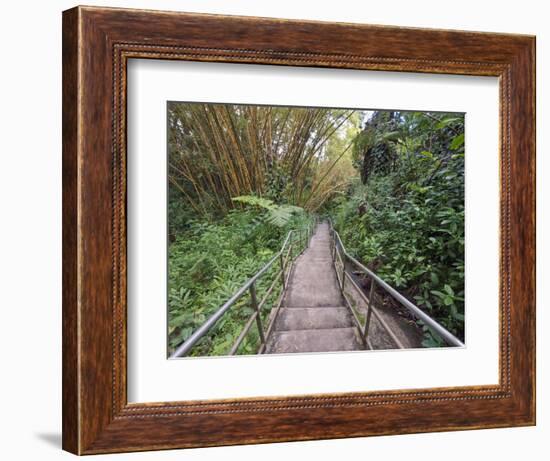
339 257
295 240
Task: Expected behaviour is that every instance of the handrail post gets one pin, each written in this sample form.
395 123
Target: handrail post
332 247
369 311
282 259
343 271
254 302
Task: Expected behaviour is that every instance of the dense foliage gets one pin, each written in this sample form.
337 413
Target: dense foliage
287 154
405 217
208 263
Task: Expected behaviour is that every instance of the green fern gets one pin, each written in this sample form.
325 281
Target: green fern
255 201
278 215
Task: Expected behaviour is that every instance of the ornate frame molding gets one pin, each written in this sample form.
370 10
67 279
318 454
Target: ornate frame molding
97 43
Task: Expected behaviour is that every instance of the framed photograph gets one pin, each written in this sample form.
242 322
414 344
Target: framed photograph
282 230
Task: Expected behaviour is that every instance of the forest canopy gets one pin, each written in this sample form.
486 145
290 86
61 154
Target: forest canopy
241 176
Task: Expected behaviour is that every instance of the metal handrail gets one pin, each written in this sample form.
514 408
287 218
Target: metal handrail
377 281
250 286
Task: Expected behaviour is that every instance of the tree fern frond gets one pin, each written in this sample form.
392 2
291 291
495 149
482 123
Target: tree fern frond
278 215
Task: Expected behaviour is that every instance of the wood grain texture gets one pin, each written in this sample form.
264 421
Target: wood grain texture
97 43
70 384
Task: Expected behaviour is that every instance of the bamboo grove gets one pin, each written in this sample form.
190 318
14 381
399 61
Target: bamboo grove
287 154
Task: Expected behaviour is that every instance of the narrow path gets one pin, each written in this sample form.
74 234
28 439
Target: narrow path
313 316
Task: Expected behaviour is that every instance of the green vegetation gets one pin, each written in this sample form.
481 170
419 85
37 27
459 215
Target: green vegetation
242 176
208 263
405 216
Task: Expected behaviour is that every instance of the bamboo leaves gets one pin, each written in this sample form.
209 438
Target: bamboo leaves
220 151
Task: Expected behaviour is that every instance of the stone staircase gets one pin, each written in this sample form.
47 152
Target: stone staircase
313 316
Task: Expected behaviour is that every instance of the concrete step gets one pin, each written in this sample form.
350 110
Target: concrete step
312 285
330 340
313 318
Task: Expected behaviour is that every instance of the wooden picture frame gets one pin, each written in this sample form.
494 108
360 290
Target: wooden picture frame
97 43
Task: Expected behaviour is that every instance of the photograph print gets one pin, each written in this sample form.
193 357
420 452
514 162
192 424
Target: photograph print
313 230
